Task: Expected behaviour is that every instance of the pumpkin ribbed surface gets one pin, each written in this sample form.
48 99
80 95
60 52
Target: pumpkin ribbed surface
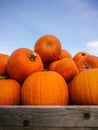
22 63
83 89
10 91
45 88
48 47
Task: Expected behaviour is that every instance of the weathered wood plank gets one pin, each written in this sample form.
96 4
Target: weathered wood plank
90 129
42 128
49 116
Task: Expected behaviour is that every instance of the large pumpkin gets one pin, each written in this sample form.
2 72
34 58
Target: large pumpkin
45 88
22 63
83 89
48 47
10 91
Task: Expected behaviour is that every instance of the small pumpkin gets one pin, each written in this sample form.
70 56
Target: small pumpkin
67 68
10 91
83 89
92 61
64 54
45 88
2 68
4 57
3 63
80 55
86 63
52 65
22 63
48 47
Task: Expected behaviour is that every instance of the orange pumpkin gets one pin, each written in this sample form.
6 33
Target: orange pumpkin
87 62
80 55
80 59
45 88
22 63
67 68
83 89
64 54
48 47
4 57
52 65
3 63
10 91
92 60
2 67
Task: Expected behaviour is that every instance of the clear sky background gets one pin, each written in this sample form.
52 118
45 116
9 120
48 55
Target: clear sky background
74 22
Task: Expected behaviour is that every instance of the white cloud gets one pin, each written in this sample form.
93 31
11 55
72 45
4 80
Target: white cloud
93 44
92 47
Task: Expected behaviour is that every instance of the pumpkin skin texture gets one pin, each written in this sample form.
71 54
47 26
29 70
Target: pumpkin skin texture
2 68
64 54
22 63
45 88
48 47
67 68
3 63
10 91
80 55
52 65
4 57
90 62
83 89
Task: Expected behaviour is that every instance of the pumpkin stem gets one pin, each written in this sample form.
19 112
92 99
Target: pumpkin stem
48 44
2 77
86 66
44 70
83 53
32 56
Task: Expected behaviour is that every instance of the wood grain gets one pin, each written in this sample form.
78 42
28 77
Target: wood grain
49 117
44 128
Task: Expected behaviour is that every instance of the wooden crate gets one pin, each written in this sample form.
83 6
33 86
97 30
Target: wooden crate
49 117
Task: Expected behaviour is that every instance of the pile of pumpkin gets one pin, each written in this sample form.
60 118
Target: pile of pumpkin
48 75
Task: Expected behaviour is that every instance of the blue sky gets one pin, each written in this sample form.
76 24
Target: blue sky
74 22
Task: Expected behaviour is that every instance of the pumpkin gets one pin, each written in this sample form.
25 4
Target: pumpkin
2 67
64 54
10 91
22 63
80 60
80 55
4 57
48 47
92 61
3 63
45 88
83 88
86 63
67 68
52 65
